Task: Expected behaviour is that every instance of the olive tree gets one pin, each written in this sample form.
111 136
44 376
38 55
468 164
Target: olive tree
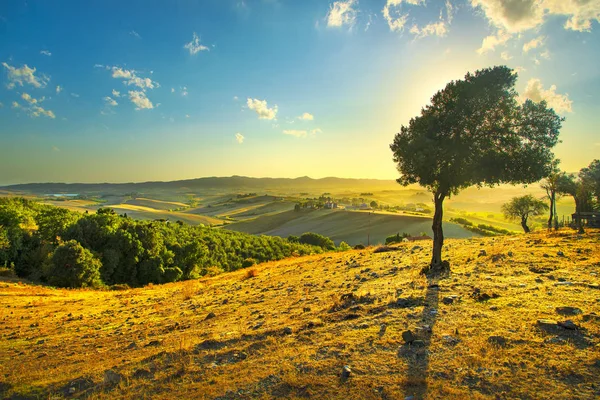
475 132
521 208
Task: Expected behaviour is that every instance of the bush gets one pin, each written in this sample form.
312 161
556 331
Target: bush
73 266
315 239
248 262
397 238
359 247
461 221
344 246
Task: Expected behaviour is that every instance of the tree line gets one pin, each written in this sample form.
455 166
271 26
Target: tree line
584 187
69 249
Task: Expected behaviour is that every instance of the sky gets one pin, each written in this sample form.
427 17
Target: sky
127 91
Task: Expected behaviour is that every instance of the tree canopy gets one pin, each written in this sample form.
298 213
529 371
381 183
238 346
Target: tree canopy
475 132
66 248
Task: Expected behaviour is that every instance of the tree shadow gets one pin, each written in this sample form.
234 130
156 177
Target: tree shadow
416 354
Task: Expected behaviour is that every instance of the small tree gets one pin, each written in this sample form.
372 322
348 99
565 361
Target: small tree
373 204
74 266
475 132
522 208
552 185
590 176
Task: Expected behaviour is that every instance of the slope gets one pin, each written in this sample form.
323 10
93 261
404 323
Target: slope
285 329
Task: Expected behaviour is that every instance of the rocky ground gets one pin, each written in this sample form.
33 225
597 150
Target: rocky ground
518 318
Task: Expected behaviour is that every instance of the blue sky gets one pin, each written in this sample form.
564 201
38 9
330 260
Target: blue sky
158 90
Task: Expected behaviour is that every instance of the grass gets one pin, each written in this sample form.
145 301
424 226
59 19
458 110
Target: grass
352 227
223 337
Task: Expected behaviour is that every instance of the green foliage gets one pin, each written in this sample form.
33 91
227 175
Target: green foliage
73 266
344 246
475 132
373 204
590 178
481 229
127 251
397 238
315 239
461 221
248 262
293 239
524 207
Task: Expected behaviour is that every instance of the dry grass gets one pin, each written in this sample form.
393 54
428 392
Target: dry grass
223 337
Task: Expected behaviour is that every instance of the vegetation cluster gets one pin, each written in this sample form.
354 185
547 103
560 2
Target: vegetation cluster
68 249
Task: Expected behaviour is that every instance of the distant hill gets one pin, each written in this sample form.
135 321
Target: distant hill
215 183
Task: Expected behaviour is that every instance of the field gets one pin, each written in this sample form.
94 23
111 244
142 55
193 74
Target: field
518 318
265 206
352 227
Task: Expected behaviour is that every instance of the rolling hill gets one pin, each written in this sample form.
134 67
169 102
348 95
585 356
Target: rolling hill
352 227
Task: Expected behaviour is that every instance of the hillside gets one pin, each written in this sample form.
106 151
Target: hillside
353 227
498 328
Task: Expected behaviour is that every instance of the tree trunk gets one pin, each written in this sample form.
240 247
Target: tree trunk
524 224
552 201
438 266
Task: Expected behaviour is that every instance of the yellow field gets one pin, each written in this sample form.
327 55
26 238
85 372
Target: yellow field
226 337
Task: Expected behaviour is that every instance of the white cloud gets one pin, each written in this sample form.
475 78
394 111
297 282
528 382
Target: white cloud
518 70
135 34
172 90
131 78
490 42
546 54
1 104
505 56
54 148
521 15
116 93
187 115
536 92
37 111
533 43
315 131
235 98
184 91
341 13
437 29
392 14
15 105
261 108
194 46
396 18
110 101
74 95
46 53
31 100
306 117
239 138
140 100
24 75
58 89
294 132
511 15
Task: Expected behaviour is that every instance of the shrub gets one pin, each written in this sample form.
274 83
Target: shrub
248 262
359 247
73 266
344 246
317 240
251 273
